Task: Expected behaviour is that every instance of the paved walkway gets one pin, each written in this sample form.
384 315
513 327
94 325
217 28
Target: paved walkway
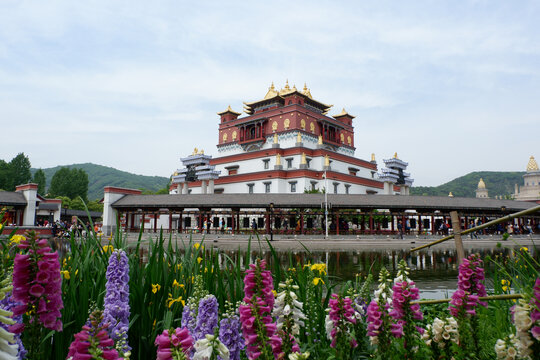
340 242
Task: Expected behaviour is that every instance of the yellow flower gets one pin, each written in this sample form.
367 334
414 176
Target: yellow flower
76 272
317 280
178 266
155 288
274 292
524 249
197 246
321 268
65 273
16 239
107 248
199 259
176 283
171 301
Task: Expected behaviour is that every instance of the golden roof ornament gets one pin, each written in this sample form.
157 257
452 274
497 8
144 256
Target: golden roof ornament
271 92
229 109
195 151
395 155
326 160
307 92
450 194
201 152
320 140
373 157
532 165
286 89
481 184
275 138
278 160
299 137
303 161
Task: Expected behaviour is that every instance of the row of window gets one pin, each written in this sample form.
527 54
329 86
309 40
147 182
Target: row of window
292 187
289 161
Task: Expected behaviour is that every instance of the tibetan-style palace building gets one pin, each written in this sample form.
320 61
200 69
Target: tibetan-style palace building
287 143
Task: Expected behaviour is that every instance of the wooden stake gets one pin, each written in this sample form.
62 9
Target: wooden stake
456 225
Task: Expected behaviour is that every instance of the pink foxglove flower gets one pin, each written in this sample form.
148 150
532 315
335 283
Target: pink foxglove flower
174 344
37 283
341 315
258 327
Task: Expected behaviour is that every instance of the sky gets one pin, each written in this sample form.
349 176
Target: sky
451 86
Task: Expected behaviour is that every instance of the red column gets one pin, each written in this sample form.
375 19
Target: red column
432 225
155 221
337 222
267 222
419 224
301 222
180 228
370 223
238 221
232 221
200 224
142 222
127 221
170 221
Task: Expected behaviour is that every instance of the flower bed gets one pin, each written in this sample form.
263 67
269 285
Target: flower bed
182 301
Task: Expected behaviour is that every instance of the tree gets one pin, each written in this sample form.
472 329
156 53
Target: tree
4 175
71 183
39 178
19 168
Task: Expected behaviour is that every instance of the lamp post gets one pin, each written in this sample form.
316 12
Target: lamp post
271 213
326 204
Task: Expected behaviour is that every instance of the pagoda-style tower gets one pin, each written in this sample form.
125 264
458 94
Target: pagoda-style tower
481 191
285 144
530 191
394 174
196 168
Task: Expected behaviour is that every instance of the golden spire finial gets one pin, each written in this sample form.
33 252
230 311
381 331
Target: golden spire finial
373 157
195 151
299 137
294 88
450 194
395 155
278 159
481 184
320 139
326 160
275 138
303 161
305 87
201 152
532 165
272 87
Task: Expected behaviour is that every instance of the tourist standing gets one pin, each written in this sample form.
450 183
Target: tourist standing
400 229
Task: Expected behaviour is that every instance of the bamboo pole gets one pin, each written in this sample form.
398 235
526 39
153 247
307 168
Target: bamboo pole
456 225
483 298
483 226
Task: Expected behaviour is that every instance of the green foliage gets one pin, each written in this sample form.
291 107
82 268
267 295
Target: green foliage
41 181
101 176
16 172
69 182
497 183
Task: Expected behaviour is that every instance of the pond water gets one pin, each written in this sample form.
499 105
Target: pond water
434 271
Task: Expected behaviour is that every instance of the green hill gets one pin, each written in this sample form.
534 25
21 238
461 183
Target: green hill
497 182
100 176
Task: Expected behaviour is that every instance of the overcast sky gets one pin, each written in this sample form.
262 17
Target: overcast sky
451 86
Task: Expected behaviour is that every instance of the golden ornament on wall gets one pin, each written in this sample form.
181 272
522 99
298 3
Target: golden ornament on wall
349 140
342 137
312 127
234 135
287 123
274 126
225 137
303 124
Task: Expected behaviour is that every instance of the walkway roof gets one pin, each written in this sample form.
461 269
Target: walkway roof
11 198
175 202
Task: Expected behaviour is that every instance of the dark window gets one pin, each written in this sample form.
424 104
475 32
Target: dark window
266 163
233 171
267 187
289 163
229 222
336 188
250 188
310 223
260 223
187 222
246 222
293 187
427 224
